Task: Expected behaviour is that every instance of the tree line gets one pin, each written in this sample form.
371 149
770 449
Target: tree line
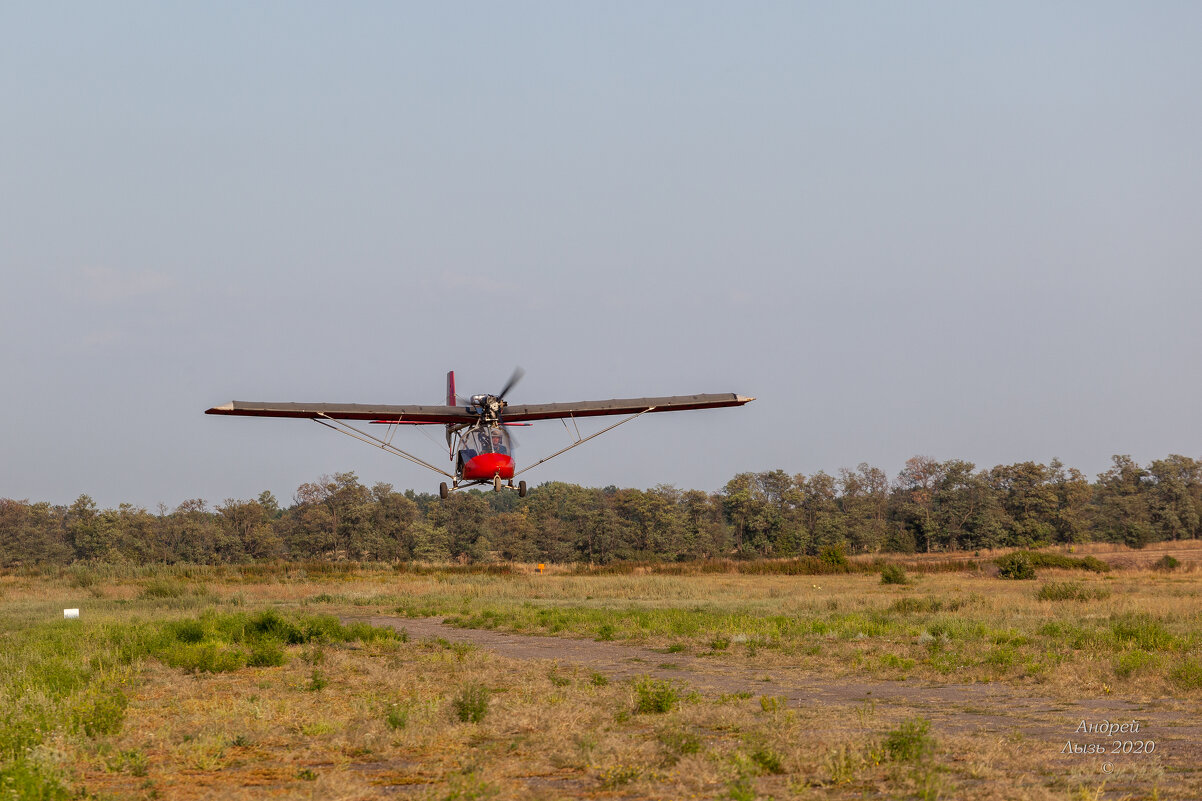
929 506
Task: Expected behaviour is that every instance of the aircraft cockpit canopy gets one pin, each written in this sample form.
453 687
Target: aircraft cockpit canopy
488 439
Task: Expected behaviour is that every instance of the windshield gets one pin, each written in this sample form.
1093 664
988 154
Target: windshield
490 439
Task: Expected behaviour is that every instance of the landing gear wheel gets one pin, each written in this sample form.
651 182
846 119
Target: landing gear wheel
496 483
443 492
521 489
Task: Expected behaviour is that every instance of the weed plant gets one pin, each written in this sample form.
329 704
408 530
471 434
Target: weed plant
654 696
773 703
397 717
678 743
471 702
910 742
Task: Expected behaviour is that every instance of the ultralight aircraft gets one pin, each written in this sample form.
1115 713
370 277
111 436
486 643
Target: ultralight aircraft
477 440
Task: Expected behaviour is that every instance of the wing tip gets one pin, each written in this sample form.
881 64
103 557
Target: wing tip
744 398
222 409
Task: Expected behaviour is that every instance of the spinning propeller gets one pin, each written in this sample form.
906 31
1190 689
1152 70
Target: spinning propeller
490 406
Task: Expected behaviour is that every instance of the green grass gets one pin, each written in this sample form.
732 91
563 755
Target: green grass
1132 663
926 606
68 678
929 635
638 622
1144 631
1187 674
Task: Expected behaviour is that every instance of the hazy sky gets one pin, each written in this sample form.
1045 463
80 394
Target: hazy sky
907 228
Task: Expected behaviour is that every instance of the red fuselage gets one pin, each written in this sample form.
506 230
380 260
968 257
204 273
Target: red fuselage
484 466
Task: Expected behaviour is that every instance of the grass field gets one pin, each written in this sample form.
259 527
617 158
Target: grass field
195 682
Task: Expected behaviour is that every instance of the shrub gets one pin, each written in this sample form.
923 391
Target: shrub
894 574
269 623
1012 562
1166 563
1071 591
831 561
1015 566
654 696
833 557
1058 560
911 741
266 653
471 703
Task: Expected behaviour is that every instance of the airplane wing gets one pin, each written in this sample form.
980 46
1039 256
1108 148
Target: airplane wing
348 411
462 414
674 403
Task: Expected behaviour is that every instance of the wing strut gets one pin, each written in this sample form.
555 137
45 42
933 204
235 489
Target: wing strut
582 441
363 436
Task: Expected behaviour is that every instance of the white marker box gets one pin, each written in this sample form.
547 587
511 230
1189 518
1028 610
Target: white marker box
71 614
